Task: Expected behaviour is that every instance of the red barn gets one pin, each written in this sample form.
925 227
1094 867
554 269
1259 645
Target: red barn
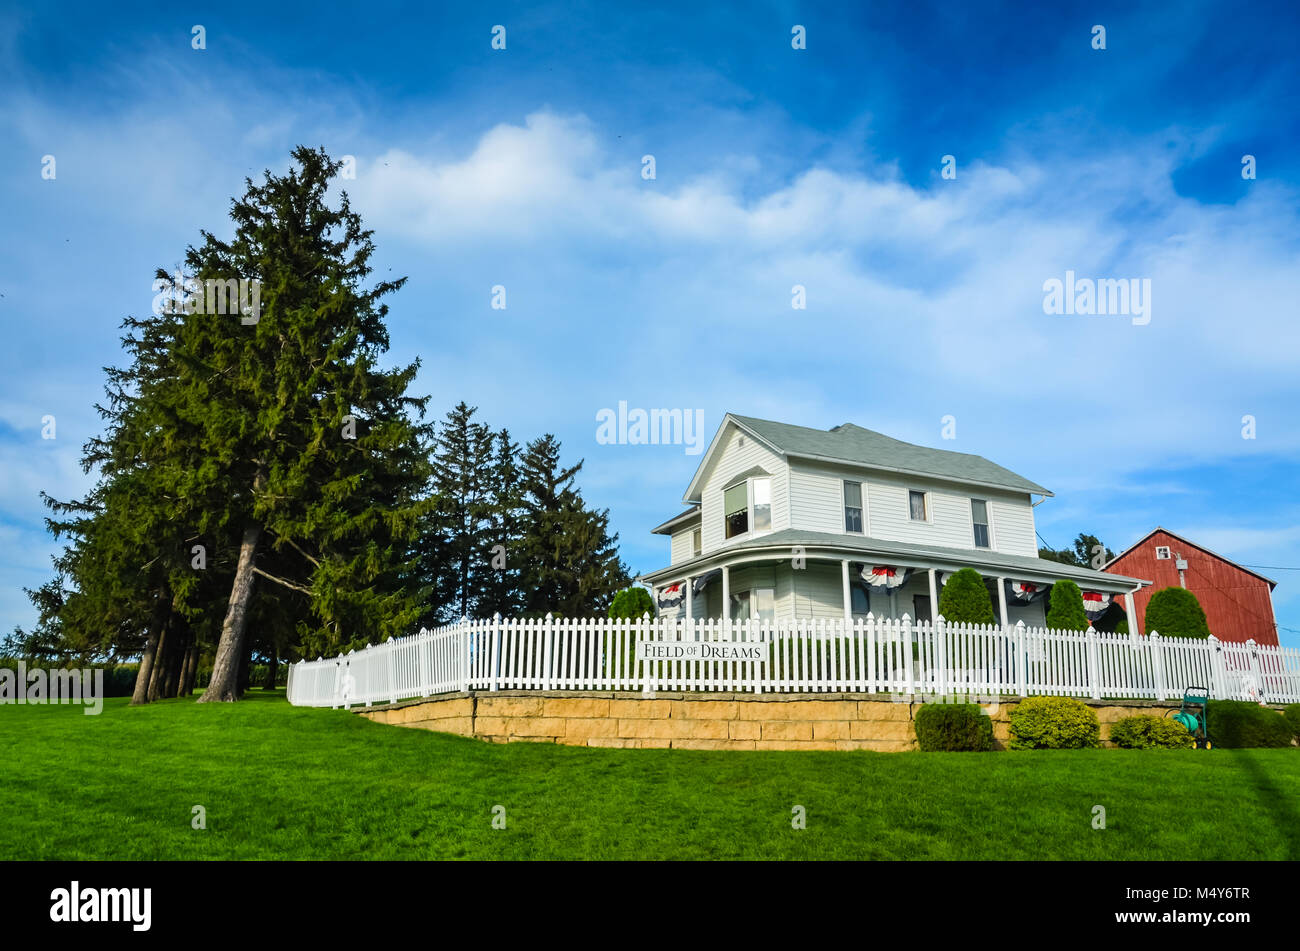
1238 602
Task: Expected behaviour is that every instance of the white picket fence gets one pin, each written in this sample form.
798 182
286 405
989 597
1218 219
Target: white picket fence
866 655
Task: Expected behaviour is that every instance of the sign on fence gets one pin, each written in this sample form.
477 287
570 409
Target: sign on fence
702 650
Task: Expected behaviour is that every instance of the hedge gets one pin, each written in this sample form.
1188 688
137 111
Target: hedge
953 727
1175 612
1054 723
1241 724
1149 733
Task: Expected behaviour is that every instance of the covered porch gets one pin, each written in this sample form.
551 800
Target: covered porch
837 580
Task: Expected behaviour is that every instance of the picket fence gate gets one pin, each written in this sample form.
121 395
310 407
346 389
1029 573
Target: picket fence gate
865 655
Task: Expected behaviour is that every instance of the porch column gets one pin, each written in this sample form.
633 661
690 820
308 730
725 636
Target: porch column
1131 611
689 585
726 597
848 595
1002 600
934 596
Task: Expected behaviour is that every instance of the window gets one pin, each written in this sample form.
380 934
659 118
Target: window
1162 552
921 608
745 499
979 513
735 506
758 604
853 507
762 505
916 501
697 544
860 600
740 606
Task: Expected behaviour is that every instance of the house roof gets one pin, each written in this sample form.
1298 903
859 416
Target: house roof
690 515
1187 541
1014 565
855 445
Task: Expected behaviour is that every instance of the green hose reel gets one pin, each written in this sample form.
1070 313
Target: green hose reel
1192 715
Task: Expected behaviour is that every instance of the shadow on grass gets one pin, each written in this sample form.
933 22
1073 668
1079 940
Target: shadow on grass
1279 803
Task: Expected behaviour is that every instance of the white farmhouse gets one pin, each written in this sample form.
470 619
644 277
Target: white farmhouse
791 522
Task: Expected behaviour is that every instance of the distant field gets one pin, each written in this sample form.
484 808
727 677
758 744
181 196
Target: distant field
284 782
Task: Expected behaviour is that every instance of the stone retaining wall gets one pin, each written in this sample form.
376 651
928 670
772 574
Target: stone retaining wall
698 721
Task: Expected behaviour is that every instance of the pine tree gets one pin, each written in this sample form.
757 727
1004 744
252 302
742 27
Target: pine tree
571 565
457 534
311 452
499 585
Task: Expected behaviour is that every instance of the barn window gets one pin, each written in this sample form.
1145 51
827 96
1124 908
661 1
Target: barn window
1162 552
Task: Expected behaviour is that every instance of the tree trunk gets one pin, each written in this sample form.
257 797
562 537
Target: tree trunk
272 665
191 668
176 666
142 677
230 649
161 658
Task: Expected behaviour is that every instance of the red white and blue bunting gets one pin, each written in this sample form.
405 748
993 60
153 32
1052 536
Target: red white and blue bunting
1025 592
672 595
885 577
1095 604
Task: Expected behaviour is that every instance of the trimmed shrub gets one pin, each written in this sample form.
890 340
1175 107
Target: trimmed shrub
1241 724
1291 713
1175 612
1149 733
1065 612
953 727
965 600
632 603
1054 723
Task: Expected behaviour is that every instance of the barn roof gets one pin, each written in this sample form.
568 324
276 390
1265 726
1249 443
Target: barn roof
1271 583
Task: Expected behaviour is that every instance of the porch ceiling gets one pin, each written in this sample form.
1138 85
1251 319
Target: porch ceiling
827 546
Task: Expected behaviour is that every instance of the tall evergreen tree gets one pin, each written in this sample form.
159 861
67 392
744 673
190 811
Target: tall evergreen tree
570 562
458 538
311 451
500 590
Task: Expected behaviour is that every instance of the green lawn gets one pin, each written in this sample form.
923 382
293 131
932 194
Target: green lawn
283 782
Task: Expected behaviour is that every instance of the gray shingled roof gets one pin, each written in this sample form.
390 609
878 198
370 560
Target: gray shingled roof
851 443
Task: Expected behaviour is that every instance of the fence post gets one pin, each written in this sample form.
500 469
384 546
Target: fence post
1216 666
907 654
495 660
1157 666
1022 658
548 638
647 677
940 629
1091 656
392 672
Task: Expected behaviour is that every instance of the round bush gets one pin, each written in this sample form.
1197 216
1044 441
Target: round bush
1175 612
1054 723
1291 714
953 727
632 603
1149 733
965 600
1065 610
1241 724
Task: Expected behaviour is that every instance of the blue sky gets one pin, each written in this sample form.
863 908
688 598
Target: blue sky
775 167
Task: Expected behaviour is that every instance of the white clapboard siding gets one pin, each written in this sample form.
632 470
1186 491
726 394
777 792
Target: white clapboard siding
803 655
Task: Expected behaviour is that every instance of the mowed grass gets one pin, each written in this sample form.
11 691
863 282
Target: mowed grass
283 782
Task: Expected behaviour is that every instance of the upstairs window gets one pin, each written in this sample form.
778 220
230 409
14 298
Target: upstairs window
735 506
1162 552
916 505
748 505
697 542
853 507
979 513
